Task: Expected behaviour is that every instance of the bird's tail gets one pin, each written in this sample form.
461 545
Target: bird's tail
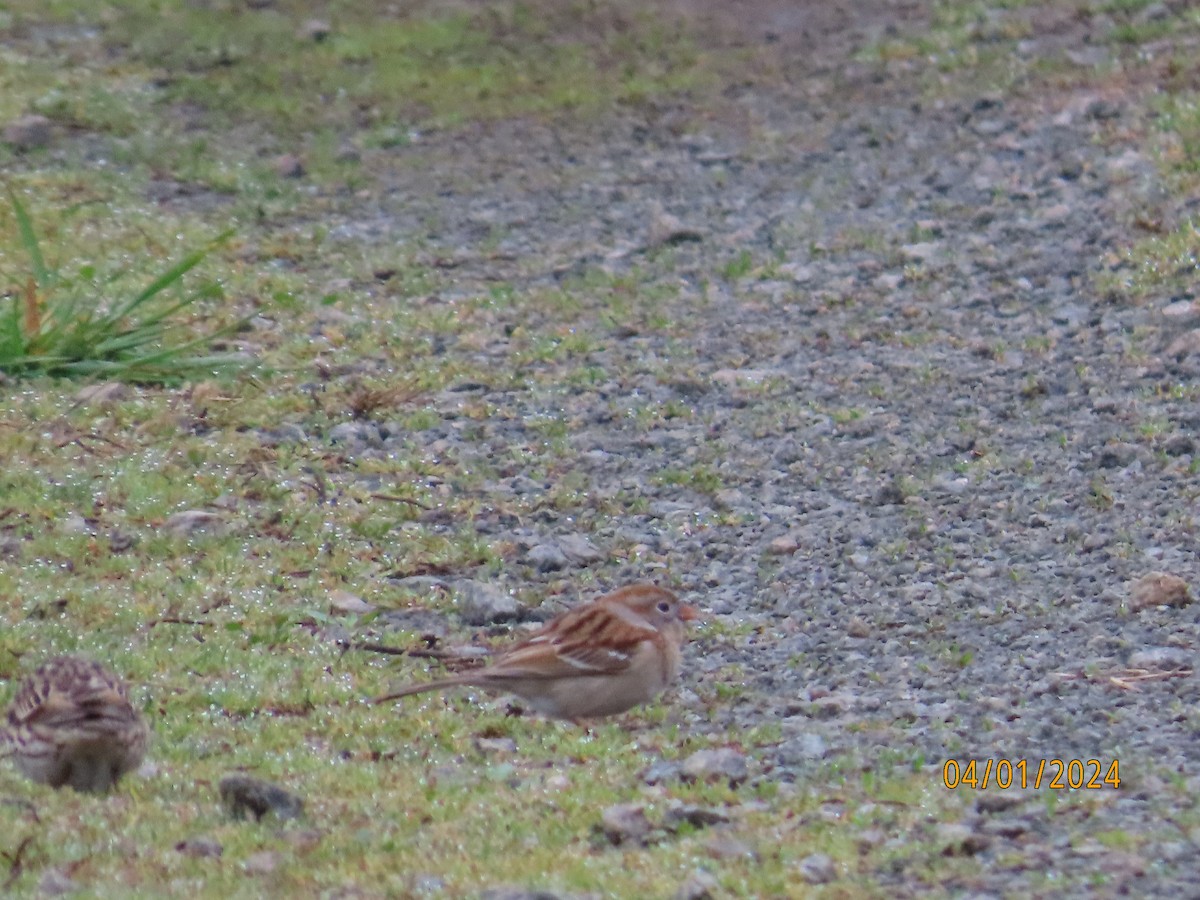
420 688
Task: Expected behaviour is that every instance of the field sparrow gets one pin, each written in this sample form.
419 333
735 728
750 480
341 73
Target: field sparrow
598 659
71 722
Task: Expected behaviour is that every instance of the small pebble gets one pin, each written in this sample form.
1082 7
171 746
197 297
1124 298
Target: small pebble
724 763
481 603
625 823
699 885
31 132
817 869
247 797
200 847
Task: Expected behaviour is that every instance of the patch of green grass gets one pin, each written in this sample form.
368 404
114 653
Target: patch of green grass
1179 117
1159 264
1166 262
1100 495
700 477
211 95
91 325
738 267
396 800
229 635
961 37
379 63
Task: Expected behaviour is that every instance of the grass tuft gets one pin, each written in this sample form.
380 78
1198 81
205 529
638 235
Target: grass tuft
61 327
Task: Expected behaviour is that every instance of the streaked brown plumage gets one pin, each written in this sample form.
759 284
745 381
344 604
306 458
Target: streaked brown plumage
598 659
71 722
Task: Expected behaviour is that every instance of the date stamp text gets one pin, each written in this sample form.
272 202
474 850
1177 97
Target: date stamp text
1053 774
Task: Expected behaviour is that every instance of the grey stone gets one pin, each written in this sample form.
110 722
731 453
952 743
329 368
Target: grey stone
30 132
625 823
722 764
695 816
579 550
547 558
247 797
817 868
480 603
699 885
200 847
803 748
193 521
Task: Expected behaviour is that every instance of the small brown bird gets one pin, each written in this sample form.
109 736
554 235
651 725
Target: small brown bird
598 659
71 722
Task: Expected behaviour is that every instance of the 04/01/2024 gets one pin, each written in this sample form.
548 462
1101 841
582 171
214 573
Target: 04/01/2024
1055 774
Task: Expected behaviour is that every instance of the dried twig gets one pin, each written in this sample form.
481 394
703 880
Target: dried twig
176 620
464 655
15 861
1127 679
1130 678
394 499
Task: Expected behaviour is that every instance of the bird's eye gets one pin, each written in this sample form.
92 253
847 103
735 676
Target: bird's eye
664 607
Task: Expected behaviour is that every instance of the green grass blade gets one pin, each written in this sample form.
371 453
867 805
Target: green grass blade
161 283
12 340
166 312
76 336
42 275
169 277
177 352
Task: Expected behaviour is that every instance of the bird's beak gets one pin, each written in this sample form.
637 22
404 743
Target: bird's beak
688 613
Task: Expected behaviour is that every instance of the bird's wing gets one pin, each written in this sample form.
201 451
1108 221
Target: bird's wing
591 640
31 703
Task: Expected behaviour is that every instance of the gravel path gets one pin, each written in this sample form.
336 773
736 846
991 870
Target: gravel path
908 444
